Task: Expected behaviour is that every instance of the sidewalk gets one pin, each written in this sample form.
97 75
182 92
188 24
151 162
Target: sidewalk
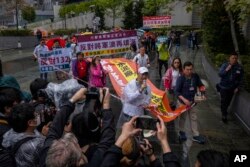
220 136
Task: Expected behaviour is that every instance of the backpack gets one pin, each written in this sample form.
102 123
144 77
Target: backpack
7 156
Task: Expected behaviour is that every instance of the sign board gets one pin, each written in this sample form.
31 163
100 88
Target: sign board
107 43
156 21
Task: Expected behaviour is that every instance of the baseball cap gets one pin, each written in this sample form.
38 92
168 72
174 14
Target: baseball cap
142 70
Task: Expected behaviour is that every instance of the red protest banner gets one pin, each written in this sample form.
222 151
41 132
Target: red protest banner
156 21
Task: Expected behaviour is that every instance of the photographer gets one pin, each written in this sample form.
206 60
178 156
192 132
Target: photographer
114 154
56 154
43 105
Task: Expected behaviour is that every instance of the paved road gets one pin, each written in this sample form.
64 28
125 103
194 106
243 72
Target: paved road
219 136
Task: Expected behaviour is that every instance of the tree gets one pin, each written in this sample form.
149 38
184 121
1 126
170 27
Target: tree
152 6
99 12
129 15
112 7
28 13
238 8
14 5
138 14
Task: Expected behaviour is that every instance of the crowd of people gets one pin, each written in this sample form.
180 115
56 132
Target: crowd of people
35 132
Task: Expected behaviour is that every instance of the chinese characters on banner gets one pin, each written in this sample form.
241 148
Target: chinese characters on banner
157 21
107 43
54 60
121 71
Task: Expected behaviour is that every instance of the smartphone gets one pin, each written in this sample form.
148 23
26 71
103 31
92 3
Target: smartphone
146 123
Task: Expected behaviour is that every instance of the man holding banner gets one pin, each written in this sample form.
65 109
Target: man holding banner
38 49
186 88
136 96
142 59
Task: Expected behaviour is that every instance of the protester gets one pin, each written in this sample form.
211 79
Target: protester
6 103
39 35
23 121
231 74
80 69
97 73
9 82
115 153
195 40
185 90
136 96
36 54
59 155
44 107
207 158
163 56
170 79
56 45
132 51
142 59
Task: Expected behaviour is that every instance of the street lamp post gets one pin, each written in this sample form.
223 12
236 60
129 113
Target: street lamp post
16 16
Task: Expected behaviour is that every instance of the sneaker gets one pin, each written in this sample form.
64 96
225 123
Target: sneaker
182 136
199 139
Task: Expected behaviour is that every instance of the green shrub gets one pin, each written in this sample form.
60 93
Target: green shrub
16 33
65 31
220 59
245 59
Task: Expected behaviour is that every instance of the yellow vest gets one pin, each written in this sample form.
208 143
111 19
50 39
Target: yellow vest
163 52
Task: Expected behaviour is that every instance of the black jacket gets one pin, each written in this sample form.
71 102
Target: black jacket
113 156
57 128
4 127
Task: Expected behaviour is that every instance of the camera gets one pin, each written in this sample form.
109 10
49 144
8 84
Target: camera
93 101
146 123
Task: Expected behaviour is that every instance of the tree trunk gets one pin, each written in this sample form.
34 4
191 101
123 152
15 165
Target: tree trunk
233 33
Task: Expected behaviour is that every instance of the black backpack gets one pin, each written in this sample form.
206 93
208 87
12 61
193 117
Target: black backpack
7 156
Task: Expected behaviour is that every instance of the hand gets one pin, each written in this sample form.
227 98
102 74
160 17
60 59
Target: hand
236 90
143 86
161 130
45 129
228 67
106 99
79 95
128 129
187 102
162 135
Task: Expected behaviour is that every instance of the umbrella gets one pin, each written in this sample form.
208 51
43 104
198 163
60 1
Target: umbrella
51 42
86 33
146 28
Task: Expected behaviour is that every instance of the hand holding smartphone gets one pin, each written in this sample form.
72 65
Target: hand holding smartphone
146 123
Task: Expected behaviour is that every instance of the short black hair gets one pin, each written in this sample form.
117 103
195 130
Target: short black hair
14 94
85 126
208 158
36 85
20 116
5 101
234 54
79 53
187 64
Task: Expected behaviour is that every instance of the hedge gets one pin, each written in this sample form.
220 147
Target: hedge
16 33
